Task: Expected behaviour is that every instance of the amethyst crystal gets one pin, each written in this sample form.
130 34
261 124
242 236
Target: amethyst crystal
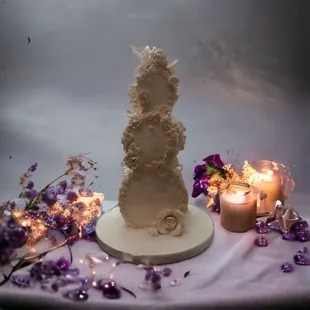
262 227
261 241
286 267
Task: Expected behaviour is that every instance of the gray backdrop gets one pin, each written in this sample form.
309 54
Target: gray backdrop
242 66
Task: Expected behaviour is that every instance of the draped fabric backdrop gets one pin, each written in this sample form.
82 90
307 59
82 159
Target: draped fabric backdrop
65 66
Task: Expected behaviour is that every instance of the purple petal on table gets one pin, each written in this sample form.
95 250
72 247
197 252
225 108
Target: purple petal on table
261 241
23 281
305 250
286 267
302 236
289 236
166 272
262 227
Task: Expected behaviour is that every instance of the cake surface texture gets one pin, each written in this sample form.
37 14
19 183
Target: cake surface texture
153 195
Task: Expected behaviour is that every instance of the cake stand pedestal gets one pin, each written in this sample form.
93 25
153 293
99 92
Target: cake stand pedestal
138 247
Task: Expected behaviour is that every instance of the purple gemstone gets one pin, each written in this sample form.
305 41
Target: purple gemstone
262 228
301 259
76 295
286 267
72 196
73 272
302 236
261 241
288 236
21 281
167 272
86 192
109 289
63 264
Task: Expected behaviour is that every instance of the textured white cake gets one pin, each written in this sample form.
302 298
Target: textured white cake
153 193
154 223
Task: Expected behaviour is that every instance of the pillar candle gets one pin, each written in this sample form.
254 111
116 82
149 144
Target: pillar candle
270 185
238 207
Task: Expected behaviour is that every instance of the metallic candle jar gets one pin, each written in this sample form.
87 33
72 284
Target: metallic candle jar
273 181
238 207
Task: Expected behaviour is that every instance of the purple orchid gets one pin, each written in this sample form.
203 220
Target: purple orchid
214 159
200 186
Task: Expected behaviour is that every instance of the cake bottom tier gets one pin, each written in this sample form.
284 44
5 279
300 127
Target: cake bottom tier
138 247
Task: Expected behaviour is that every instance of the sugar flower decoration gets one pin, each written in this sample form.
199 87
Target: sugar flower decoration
170 222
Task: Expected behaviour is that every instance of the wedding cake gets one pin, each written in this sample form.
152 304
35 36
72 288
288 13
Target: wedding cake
154 223
153 194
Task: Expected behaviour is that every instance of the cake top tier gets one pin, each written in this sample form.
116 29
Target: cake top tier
156 87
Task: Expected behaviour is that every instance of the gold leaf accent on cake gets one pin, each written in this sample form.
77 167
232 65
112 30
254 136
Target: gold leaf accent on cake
170 222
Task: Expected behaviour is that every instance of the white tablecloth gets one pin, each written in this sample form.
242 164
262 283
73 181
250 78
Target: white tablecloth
232 271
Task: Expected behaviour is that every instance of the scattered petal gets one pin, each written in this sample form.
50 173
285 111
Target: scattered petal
186 274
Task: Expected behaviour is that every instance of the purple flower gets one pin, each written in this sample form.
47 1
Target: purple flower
63 264
200 186
214 159
33 167
286 267
86 192
199 171
72 196
30 185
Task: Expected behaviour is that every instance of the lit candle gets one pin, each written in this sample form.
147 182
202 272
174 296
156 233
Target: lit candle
269 184
238 207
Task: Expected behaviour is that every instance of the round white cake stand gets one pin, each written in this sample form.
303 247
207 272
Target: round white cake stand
138 247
